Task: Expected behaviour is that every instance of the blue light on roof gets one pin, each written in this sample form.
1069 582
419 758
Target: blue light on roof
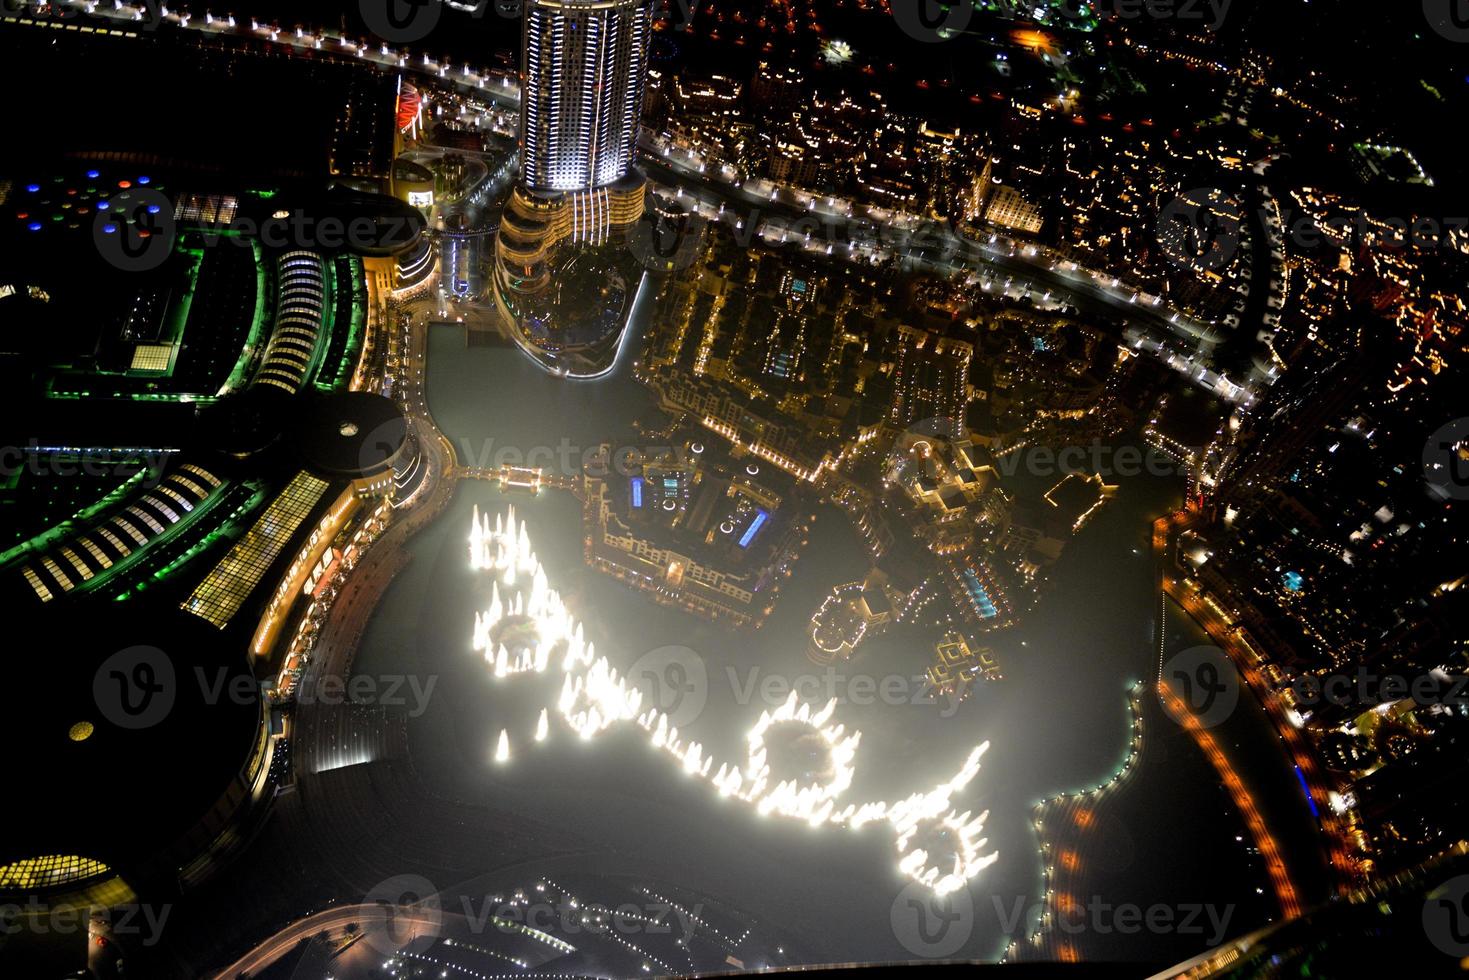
153 209
637 491
93 174
145 180
103 205
1305 787
978 595
109 229
34 226
34 188
753 529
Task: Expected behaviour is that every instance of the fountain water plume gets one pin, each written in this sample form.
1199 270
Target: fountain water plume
594 698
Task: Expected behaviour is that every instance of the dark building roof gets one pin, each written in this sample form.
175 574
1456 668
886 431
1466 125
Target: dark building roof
353 434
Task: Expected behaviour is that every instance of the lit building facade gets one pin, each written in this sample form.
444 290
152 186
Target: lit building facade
585 67
584 73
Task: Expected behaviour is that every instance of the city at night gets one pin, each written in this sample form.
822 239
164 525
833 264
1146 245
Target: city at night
618 489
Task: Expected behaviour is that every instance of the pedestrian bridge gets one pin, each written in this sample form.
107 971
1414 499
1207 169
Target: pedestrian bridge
527 479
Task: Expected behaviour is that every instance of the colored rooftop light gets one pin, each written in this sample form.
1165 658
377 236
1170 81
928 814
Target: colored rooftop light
753 529
145 180
93 174
109 229
34 226
124 184
33 188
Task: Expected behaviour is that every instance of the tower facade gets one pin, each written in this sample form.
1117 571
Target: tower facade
584 68
564 280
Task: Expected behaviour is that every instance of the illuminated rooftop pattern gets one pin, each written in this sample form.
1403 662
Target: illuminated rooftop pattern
225 589
527 615
49 871
298 319
105 549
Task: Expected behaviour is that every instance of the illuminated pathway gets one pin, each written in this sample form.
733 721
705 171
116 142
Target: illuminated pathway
527 629
1219 626
1067 818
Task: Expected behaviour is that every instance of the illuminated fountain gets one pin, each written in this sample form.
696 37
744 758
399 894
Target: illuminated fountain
799 764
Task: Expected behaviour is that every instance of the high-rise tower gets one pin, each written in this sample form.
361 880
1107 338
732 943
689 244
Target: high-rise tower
584 67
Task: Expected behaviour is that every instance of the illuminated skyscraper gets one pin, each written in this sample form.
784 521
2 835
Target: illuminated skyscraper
584 71
585 67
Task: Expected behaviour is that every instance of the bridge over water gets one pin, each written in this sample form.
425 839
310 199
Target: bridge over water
526 479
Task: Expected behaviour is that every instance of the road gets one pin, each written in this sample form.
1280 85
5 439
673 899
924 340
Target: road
1233 640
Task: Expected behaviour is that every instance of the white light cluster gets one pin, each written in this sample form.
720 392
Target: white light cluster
594 697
